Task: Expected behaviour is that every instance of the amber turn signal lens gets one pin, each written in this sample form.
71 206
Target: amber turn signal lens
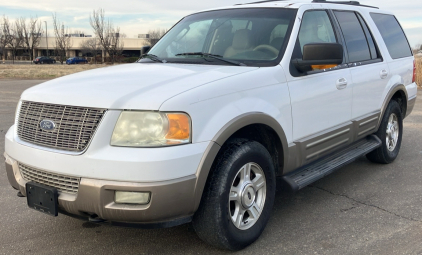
179 126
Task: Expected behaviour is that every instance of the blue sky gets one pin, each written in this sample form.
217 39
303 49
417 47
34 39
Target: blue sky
137 17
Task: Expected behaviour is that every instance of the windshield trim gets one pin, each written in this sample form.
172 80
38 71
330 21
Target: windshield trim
261 63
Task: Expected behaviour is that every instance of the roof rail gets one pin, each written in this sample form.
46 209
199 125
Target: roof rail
264 1
343 2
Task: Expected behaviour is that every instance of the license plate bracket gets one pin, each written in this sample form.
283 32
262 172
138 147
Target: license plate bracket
42 198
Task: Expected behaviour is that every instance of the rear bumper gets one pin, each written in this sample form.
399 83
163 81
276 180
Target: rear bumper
410 105
171 202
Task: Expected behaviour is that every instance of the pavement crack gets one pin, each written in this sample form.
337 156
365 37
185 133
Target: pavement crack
367 204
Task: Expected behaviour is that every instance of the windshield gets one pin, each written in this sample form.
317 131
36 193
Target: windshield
251 36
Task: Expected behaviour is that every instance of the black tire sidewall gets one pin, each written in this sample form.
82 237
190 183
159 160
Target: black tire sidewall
390 156
217 204
245 237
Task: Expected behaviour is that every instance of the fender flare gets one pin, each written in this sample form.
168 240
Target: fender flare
223 135
387 99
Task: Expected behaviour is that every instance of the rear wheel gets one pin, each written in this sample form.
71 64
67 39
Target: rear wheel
390 132
238 196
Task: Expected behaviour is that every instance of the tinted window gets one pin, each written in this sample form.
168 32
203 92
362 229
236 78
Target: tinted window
393 35
316 28
369 38
355 38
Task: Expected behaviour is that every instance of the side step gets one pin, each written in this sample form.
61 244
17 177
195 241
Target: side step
308 174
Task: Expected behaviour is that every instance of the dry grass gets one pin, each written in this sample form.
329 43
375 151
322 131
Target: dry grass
41 71
419 71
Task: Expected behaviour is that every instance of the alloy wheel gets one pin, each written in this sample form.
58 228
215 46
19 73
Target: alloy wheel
247 196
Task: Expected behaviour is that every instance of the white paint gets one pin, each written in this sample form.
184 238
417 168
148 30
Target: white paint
212 96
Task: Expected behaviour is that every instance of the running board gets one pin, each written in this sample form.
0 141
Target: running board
308 174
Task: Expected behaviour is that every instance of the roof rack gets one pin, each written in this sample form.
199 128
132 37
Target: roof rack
264 1
343 2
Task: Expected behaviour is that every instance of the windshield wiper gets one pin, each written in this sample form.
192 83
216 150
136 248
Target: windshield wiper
154 58
209 55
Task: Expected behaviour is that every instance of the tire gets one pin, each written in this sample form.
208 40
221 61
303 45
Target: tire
41 62
213 221
391 121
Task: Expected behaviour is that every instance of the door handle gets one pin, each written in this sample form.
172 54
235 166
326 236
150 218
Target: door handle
383 74
341 83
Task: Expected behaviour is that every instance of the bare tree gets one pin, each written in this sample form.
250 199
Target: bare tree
2 41
107 34
31 33
63 41
13 36
155 35
91 46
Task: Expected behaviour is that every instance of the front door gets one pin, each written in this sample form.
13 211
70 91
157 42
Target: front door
320 100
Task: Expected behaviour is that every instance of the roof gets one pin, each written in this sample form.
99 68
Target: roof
291 4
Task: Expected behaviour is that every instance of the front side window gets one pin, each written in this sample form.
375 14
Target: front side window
393 35
316 28
251 36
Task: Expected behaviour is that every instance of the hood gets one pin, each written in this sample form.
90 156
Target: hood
143 86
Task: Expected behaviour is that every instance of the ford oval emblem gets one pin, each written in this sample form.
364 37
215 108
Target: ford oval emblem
47 125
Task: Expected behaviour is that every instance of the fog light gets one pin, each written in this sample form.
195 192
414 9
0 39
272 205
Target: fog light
131 197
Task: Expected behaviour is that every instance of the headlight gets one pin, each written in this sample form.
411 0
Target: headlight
151 129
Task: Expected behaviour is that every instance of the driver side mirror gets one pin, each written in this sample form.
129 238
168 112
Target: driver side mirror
317 55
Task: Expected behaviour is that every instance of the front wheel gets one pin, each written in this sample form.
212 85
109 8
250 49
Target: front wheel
390 132
238 196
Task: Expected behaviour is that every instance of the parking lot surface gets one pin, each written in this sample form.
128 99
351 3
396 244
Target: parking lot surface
364 208
21 62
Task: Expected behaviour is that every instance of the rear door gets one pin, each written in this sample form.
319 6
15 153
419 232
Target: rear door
370 72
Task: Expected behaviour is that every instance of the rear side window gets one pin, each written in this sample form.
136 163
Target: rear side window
393 35
371 43
356 41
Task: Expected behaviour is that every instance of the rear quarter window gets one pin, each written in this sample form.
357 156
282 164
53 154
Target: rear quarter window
393 35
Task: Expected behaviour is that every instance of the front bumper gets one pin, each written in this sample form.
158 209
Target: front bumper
170 200
173 176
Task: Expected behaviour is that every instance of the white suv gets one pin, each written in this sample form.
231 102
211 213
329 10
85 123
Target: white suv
200 127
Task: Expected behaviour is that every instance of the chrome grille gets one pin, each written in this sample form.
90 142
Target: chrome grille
62 183
75 125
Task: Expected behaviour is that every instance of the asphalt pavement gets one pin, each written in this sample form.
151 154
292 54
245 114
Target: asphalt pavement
364 208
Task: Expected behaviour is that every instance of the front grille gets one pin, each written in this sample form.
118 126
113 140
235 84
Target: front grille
62 183
74 129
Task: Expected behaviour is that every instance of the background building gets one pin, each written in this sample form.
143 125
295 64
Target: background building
131 48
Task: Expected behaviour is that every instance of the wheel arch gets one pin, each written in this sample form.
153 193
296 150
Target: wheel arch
240 127
399 94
